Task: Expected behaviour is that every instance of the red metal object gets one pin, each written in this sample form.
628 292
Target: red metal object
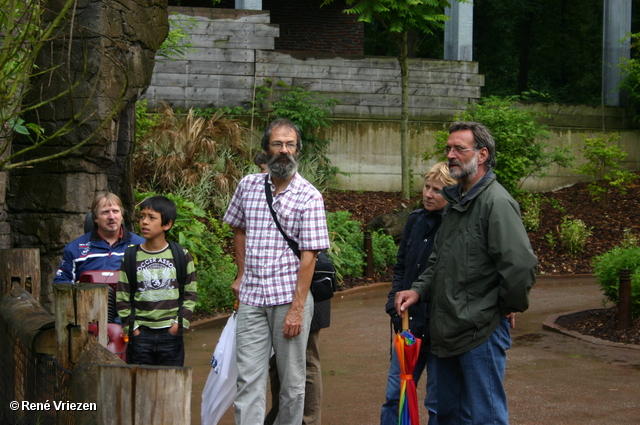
110 277
115 339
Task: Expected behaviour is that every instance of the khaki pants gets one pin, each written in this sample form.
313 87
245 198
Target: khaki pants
313 385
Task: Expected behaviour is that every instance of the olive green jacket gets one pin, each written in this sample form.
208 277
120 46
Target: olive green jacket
482 267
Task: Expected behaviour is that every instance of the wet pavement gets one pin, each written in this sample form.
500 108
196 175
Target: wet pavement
552 378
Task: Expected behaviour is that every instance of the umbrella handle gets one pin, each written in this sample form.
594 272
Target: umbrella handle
405 320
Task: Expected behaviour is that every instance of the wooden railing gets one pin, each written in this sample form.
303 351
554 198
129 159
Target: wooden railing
108 390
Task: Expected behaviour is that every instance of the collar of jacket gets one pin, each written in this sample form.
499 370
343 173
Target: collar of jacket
126 235
453 193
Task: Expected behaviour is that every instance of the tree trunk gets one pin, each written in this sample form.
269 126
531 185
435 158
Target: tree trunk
405 154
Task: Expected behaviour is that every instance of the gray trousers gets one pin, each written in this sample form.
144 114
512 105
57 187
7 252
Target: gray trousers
258 330
313 388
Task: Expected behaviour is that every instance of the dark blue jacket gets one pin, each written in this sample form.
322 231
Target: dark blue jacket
413 255
91 252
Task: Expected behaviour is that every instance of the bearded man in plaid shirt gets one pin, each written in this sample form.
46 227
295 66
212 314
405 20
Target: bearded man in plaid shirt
273 285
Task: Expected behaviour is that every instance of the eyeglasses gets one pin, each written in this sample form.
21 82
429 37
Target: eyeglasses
457 149
278 145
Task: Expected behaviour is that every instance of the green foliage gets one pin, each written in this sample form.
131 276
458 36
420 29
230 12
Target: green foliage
551 240
629 240
555 204
178 42
347 246
384 251
573 234
603 164
630 69
347 239
407 23
203 236
145 120
197 157
607 268
530 204
398 16
520 148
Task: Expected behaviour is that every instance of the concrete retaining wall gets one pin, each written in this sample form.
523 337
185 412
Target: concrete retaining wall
369 150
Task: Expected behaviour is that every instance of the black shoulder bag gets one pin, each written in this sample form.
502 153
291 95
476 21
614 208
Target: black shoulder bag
323 283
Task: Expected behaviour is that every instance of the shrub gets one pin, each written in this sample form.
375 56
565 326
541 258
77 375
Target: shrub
202 158
531 210
203 236
347 246
520 149
607 270
603 164
573 234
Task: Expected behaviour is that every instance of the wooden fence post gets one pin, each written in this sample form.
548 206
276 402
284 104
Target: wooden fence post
162 396
65 315
92 303
22 266
76 306
143 395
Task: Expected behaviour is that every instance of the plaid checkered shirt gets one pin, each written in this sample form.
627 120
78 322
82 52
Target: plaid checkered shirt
271 267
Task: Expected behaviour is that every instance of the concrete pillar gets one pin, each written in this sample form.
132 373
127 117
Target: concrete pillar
458 32
249 4
616 27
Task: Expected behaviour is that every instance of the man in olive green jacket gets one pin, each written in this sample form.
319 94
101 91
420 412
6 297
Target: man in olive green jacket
480 273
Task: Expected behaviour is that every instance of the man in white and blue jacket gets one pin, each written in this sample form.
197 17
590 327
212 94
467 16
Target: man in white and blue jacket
102 248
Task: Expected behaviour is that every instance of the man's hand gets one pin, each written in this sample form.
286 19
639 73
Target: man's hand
293 322
512 320
235 287
404 299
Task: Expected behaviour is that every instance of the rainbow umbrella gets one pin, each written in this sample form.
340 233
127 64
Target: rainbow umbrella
407 349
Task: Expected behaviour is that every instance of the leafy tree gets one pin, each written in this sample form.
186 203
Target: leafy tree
520 148
631 71
398 19
545 46
603 164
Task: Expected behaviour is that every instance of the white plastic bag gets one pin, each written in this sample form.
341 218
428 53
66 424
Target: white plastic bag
220 389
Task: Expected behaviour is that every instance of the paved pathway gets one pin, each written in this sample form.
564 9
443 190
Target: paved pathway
551 378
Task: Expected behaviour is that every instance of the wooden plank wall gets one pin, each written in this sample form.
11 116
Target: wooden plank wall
234 51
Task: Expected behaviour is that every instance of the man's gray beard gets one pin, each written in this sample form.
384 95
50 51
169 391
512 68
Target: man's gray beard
465 170
281 170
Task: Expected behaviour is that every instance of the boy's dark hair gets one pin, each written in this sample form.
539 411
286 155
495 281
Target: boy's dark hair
163 205
260 158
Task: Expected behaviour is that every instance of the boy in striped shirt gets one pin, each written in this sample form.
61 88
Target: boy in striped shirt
156 338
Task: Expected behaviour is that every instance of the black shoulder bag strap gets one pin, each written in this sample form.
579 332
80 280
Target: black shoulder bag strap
181 277
130 270
267 191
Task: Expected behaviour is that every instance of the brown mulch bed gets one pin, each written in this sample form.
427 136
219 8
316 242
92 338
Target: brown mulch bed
608 222
601 323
